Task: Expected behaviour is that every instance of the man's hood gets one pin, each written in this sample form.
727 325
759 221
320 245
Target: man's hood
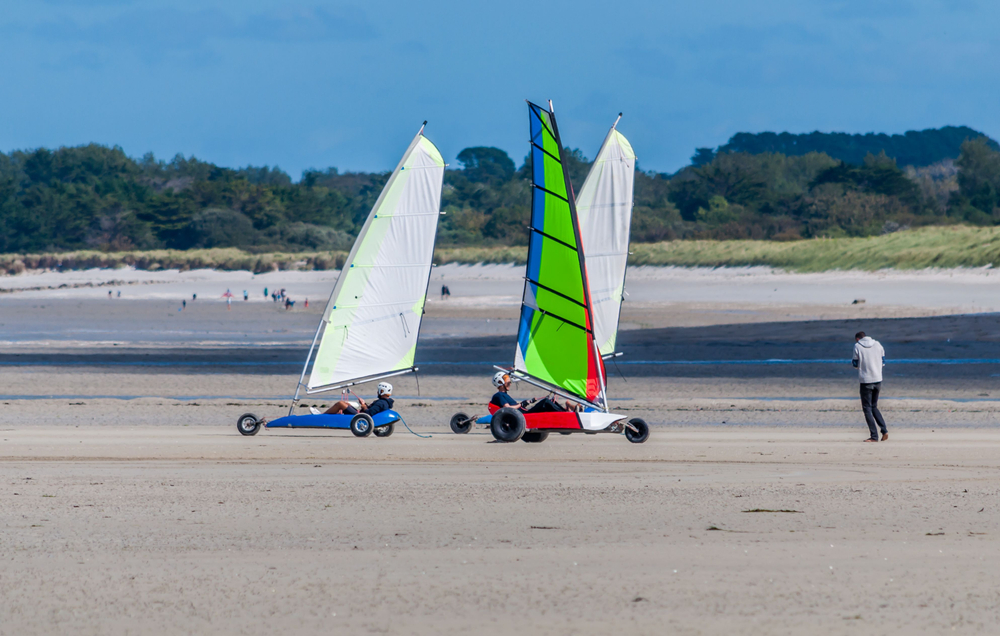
867 342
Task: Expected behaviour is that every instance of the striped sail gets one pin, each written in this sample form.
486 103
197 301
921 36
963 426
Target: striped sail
371 322
605 209
555 340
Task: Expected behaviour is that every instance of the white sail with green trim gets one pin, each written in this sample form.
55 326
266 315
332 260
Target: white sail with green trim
371 323
604 206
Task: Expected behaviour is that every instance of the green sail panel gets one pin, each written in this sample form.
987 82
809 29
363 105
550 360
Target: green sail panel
371 322
604 206
555 342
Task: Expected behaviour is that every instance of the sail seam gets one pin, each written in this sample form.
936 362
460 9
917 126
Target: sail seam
549 289
545 151
546 312
559 196
549 236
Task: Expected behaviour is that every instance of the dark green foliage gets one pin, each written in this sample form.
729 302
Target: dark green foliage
978 199
914 148
486 165
95 197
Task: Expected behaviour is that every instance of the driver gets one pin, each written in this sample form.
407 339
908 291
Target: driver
501 380
382 403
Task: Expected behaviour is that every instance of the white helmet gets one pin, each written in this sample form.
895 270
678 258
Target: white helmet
384 388
498 378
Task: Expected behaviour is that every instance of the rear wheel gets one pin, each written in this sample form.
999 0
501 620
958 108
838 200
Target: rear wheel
362 425
535 438
248 424
460 423
385 431
507 425
641 432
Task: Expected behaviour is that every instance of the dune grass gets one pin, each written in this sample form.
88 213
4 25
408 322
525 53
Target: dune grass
957 246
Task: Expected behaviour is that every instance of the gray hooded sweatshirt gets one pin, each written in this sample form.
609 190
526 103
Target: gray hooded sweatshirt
870 357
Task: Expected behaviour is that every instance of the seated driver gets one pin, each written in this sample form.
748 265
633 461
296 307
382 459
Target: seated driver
382 403
501 380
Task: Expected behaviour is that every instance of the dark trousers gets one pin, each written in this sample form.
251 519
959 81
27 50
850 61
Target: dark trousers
544 405
869 404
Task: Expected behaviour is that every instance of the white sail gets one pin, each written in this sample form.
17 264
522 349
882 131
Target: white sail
604 206
371 322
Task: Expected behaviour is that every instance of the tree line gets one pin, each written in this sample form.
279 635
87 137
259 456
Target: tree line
97 197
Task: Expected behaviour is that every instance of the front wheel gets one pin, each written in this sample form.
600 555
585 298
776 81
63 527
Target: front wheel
248 424
460 423
641 432
362 425
535 438
385 431
507 425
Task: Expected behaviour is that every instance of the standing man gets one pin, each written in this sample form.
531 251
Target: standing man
869 358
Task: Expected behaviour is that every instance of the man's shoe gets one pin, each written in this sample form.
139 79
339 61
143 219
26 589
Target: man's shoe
872 439
885 436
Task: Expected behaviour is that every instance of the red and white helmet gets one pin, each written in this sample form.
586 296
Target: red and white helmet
384 388
498 378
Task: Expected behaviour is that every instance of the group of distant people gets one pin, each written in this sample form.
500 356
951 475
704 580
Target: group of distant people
275 295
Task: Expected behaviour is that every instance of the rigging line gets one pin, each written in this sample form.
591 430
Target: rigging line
549 289
545 151
413 431
550 237
617 368
558 196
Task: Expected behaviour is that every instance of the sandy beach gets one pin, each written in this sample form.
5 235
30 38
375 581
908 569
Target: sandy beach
699 531
131 504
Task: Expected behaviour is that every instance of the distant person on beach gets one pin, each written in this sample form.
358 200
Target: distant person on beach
194 296
869 358
109 294
445 292
289 303
184 305
265 292
246 296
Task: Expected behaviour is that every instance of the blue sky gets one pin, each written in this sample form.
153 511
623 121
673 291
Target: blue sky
305 84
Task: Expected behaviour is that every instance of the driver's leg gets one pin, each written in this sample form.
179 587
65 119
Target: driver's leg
337 408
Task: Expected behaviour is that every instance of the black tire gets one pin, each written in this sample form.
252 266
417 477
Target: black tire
362 425
248 424
460 423
507 425
533 437
385 431
564 433
643 431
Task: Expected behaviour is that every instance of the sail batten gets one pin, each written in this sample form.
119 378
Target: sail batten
555 342
370 325
604 206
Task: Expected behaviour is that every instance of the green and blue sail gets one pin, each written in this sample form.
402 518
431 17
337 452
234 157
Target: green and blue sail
555 342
